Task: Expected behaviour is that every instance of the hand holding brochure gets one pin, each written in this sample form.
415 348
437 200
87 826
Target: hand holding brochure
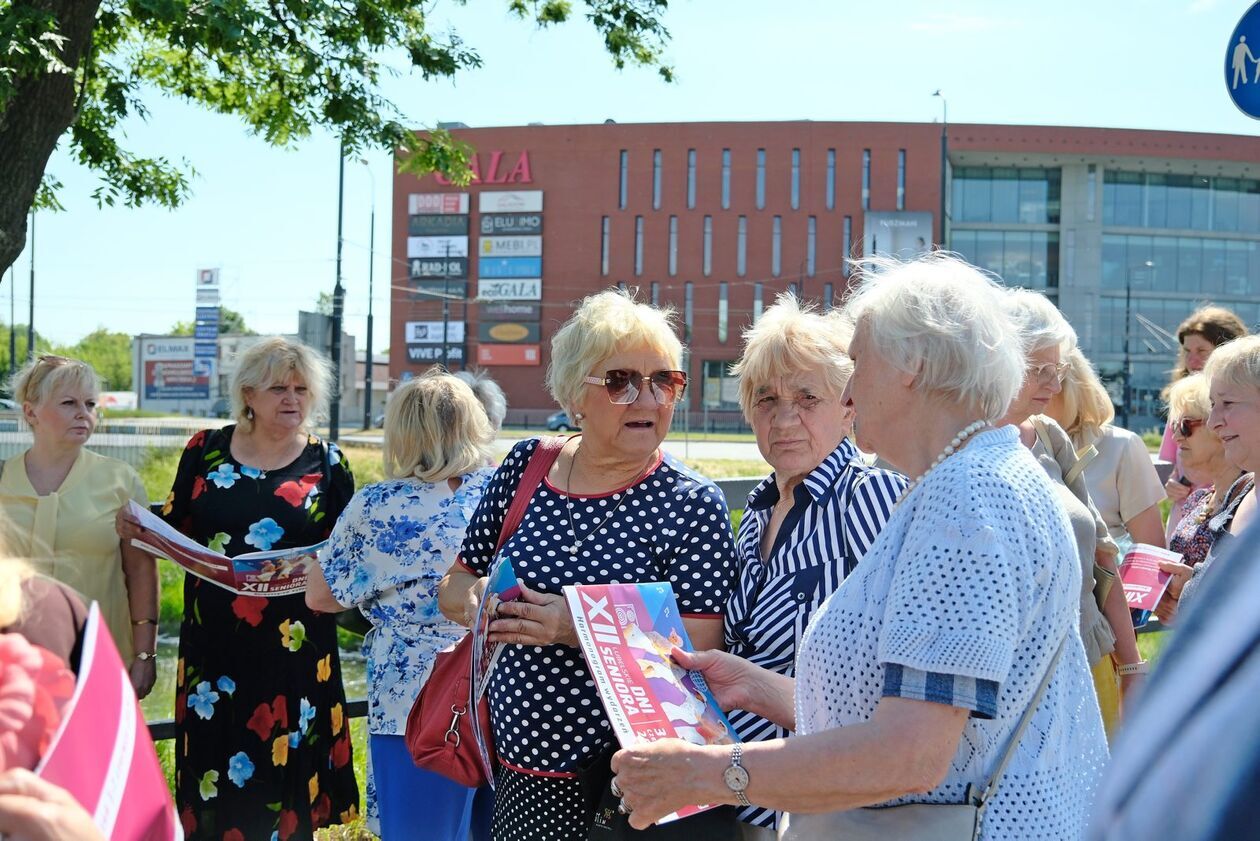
627 632
279 572
502 586
1144 583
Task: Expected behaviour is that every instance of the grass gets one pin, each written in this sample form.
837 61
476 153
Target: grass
1153 441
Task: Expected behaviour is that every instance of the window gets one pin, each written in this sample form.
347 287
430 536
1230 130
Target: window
758 301
656 179
846 246
1198 265
623 184
866 179
689 309
796 179
741 247
761 179
708 245
605 244
901 179
691 179
828 297
831 179
723 310
656 293
673 246
776 246
638 245
621 284
726 179
1028 195
811 240
1029 259
721 390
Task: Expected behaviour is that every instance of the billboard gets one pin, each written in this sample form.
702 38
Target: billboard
436 290
509 267
207 277
437 203
170 371
509 311
903 234
430 268
513 355
494 224
432 354
508 332
437 247
504 201
510 247
437 225
430 332
521 289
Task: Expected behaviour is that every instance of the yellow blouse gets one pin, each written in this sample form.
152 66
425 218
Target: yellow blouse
69 534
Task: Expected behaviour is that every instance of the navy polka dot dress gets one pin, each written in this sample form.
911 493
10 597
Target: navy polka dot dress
671 525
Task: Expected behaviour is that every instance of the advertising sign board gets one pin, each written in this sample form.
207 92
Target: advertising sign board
510 201
508 332
515 355
509 267
902 234
430 354
510 247
495 224
437 225
508 311
435 267
522 289
445 247
172 372
437 203
436 290
430 332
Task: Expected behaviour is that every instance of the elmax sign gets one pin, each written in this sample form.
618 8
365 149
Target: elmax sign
497 171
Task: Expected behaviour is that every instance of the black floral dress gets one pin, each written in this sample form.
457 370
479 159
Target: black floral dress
262 740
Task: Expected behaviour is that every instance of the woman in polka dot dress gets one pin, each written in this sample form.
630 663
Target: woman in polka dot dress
613 508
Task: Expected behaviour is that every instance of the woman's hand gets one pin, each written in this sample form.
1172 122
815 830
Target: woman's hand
731 679
661 777
143 674
32 809
1175 490
534 619
1167 607
127 525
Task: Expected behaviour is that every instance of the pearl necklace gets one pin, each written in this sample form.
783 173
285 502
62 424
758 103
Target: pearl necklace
950 448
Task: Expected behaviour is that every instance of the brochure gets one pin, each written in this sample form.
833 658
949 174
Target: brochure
627 632
102 754
279 572
502 586
1144 584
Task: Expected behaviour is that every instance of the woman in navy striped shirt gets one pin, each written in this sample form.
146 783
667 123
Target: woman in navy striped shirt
809 522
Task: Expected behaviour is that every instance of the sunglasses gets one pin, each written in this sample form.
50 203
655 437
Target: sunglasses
1049 372
1186 426
623 386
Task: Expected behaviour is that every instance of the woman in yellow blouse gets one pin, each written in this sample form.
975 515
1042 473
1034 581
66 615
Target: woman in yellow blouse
59 500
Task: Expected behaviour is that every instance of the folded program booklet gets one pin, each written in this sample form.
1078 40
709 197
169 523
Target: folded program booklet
1144 583
627 632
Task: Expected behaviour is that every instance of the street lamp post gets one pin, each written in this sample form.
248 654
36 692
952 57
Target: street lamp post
30 321
944 156
367 368
338 302
1128 335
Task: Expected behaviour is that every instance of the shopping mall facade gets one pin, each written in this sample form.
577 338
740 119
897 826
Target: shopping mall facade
716 219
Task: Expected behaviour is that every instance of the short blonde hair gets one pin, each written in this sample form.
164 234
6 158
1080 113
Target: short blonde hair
1188 398
790 339
1087 406
1235 363
942 320
46 374
602 325
435 429
272 361
1039 322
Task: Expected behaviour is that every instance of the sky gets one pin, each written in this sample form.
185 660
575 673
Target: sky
267 217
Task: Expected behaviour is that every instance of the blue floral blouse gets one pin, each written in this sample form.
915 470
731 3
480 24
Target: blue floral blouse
386 556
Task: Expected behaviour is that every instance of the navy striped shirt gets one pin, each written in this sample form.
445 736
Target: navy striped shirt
838 511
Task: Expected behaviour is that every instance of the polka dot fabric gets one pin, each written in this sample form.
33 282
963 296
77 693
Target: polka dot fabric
974 575
672 525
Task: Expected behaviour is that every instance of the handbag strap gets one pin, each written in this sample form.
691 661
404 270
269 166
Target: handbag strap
540 461
1083 458
991 786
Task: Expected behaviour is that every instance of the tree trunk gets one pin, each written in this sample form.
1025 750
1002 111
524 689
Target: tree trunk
41 110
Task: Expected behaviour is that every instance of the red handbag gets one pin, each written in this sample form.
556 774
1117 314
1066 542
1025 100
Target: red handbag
439 732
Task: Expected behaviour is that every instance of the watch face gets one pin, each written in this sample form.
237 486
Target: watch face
736 778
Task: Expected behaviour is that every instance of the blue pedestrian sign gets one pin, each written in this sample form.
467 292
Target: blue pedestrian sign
1242 63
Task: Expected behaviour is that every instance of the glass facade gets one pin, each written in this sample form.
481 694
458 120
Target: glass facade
1204 266
1183 202
1019 257
1028 196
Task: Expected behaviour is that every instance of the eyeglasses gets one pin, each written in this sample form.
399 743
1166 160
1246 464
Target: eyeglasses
803 403
1186 426
1049 372
623 386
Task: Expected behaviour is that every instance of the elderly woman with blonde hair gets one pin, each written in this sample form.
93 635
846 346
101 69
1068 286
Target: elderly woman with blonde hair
261 742
614 507
386 556
812 519
1119 474
913 678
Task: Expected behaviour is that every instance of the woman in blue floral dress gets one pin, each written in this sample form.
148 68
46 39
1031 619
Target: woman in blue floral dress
387 556
262 743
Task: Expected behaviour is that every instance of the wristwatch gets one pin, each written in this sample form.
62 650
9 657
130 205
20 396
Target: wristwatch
146 655
736 776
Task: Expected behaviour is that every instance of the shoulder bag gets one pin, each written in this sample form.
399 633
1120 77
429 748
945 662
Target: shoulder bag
917 821
439 731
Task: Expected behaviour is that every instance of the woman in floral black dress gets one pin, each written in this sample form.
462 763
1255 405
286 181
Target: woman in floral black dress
262 738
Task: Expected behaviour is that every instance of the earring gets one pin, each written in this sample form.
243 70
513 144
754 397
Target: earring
578 416
249 413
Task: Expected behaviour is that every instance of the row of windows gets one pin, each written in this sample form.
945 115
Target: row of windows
1196 202
1020 258
809 267
1181 264
1153 336
1028 195
794 179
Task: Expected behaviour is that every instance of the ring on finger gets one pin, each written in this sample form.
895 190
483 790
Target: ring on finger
616 788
